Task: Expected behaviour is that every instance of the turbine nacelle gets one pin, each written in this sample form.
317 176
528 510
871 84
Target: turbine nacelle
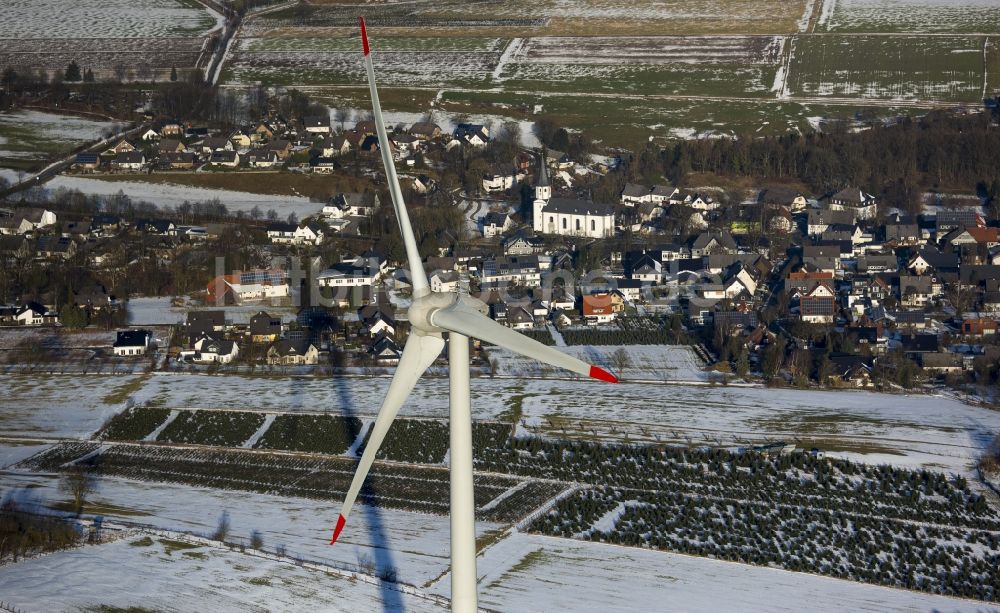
422 310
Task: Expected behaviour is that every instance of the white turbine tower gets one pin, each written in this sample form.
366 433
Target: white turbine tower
431 314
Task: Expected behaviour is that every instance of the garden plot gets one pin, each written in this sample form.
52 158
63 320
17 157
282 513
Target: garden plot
34 135
69 406
734 66
168 194
72 19
529 572
144 573
903 68
945 16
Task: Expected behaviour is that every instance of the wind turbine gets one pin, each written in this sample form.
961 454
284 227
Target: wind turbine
431 314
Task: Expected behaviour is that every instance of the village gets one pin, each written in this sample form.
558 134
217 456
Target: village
771 284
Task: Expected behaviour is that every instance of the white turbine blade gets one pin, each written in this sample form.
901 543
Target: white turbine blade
465 319
419 353
417 274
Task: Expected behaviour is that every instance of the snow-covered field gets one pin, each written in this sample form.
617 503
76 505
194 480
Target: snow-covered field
70 406
905 430
107 19
414 544
159 574
909 16
166 194
917 430
13 451
30 134
667 363
160 311
538 573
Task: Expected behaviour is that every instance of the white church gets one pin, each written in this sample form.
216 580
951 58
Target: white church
569 216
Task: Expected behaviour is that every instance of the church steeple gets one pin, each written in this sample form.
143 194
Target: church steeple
543 189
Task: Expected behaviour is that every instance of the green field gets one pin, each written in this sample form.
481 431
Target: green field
945 68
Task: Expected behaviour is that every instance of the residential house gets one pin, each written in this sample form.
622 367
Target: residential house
516 270
309 234
149 135
495 224
264 328
229 159
248 286
444 281
521 243
941 362
712 242
425 130
282 148
334 146
946 221
215 143
819 220
472 134
122 146
902 231
850 370
930 260
819 305
405 143
209 349
646 268
869 263
201 322
86 161
861 205
132 342
782 197
184 160
915 291
34 314
55 247
292 352
979 326
262 157
520 319
384 350
634 194
317 124
351 204
377 320
601 308
129 161
281 233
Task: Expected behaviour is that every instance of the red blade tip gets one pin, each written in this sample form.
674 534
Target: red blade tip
596 372
340 526
364 35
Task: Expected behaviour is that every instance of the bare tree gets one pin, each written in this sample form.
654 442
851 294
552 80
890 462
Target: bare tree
620 360
78 482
